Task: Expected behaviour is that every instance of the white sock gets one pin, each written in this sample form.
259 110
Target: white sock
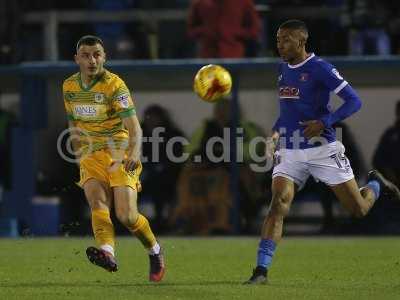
155 249
107 248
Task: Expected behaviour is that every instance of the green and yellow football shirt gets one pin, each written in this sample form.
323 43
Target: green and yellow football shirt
98 109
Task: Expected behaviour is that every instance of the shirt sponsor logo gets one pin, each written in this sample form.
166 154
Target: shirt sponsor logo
123 99
85 111
289 92
98 98
337 74
304 77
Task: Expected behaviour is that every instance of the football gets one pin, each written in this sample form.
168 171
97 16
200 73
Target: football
212 82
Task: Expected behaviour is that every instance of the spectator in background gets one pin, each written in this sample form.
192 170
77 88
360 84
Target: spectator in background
214 127
386 158
204 192
223 28
160 174
369 22
204 201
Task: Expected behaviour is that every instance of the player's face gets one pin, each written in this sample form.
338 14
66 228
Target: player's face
289 44
90 59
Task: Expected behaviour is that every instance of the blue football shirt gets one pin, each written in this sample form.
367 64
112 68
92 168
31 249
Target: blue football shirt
304 92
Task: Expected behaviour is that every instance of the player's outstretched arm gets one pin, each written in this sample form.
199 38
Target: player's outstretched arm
132 124
351 104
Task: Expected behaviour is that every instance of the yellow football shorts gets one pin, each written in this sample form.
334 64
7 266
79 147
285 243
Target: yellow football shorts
100 165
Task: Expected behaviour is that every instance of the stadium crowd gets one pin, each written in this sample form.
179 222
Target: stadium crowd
341 27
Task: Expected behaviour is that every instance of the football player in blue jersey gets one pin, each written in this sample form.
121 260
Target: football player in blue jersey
304 141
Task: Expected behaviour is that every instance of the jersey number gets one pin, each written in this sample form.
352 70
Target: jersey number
341 160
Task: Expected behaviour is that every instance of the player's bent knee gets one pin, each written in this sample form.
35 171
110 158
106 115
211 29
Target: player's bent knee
279 207
128 219
96 204
123 218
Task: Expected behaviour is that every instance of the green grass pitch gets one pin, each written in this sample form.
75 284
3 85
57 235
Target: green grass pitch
203 268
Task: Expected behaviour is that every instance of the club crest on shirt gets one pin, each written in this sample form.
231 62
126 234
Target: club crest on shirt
69 95
289 92
99 97
304 76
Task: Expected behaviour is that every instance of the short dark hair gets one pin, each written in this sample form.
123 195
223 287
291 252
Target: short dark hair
294 24
89 40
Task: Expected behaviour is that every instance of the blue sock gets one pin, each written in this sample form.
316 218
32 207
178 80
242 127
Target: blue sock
266 250
375 187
